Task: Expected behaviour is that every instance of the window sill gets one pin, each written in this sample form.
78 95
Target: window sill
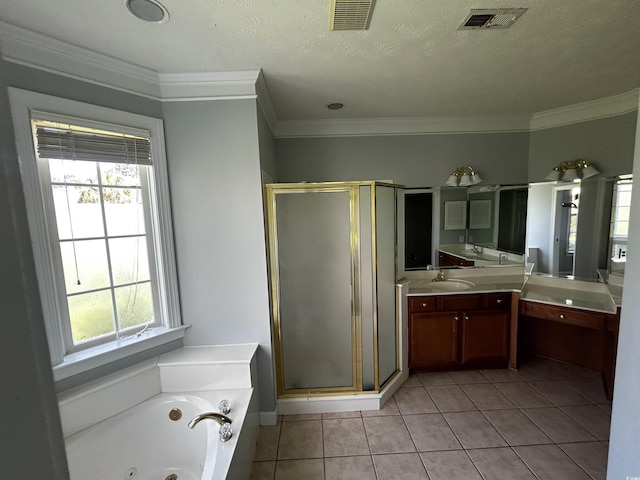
100 355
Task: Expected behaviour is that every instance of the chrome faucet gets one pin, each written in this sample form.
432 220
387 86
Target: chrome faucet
476 250
218 417
225 432
439 276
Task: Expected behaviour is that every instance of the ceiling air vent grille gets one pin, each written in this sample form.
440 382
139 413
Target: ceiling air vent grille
350 14
491 19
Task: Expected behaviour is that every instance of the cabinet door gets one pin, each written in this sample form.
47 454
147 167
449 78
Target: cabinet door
485 338
433 340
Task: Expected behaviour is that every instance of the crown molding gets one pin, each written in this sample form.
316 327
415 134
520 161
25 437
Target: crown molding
586 111
38 51
400 126
35 50
207 85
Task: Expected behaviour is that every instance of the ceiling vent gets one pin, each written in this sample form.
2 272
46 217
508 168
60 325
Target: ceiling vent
350 14
491 19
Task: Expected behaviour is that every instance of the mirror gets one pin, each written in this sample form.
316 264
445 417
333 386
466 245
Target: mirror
491 218
577 228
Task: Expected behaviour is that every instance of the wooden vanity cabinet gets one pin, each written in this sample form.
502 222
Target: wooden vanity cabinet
580 337
447 260
449 332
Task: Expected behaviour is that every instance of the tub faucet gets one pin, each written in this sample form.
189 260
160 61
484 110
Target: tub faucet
225 432
218 417
439 276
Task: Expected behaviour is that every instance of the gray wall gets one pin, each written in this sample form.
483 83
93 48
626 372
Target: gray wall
267 147
216 191
607 142
624 461
410 160
31 443
32 423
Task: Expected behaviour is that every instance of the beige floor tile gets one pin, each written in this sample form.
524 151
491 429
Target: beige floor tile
468 376
301 439
559 393
500 375
539 368
516 428
263 470
500 464
592 388
548 462
557 425
267 446
454 464
435 378
344 437
329 416
412 381
591 417
487 396
523 395
450 398
302 416
388 435
389 408
591 456
412 400
308 469
431 432
404 466
349 468
474 430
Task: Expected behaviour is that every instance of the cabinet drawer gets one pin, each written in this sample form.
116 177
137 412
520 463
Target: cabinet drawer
423 304
579 318
497 300
461 302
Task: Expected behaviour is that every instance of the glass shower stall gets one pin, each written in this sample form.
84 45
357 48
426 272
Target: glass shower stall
333 263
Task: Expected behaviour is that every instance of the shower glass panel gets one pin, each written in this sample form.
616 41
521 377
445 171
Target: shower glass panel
316 318
386 277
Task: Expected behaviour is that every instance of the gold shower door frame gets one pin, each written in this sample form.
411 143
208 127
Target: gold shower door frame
352 188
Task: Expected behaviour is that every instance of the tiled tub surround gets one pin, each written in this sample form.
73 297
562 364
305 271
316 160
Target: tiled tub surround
204 374
549 420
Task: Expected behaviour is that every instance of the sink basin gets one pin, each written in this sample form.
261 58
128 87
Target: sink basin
450 285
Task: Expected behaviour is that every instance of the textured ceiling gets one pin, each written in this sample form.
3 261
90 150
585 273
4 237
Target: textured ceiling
412 62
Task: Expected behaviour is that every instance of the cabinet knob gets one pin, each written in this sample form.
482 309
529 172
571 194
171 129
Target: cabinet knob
499 301
456 318
425 305
466 317
562 316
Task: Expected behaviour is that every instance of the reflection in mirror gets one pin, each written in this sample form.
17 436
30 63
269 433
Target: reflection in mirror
569 225
483 225
620 210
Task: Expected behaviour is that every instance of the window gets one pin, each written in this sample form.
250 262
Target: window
97 197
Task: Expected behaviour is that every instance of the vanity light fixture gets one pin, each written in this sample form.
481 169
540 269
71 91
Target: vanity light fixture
572 170
463 177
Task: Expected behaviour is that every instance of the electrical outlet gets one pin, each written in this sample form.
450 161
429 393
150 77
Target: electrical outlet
503 259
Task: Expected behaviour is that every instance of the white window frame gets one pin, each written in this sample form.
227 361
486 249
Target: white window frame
66 364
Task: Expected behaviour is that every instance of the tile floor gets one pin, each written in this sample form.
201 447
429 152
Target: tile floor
549 420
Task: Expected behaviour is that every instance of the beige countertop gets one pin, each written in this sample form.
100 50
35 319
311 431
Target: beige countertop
556 291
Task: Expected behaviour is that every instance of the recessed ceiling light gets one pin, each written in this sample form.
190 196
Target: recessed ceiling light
148 10
335 106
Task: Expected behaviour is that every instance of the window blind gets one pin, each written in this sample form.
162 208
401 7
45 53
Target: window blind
82 144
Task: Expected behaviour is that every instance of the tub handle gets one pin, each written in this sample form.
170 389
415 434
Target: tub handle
225 432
